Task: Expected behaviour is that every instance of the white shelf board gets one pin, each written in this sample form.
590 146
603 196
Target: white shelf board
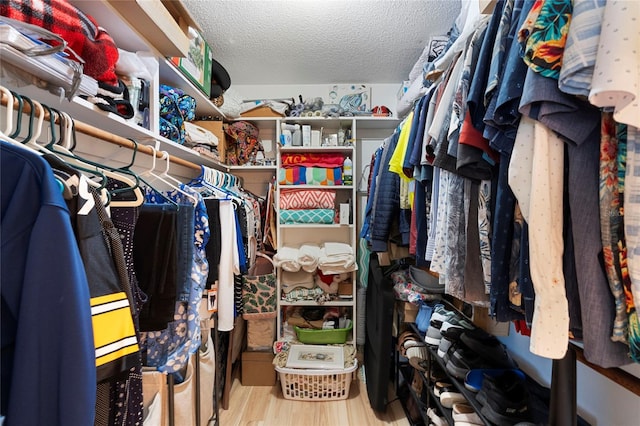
86 112
251 168
377 122
172 76
346 302
285 149
314 225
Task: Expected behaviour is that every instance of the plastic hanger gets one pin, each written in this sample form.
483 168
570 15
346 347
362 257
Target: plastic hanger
208 179
147 182
4 133
18 128
125 176
166 176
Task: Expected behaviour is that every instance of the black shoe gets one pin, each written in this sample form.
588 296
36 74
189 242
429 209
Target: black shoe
488 347
504 398
461 360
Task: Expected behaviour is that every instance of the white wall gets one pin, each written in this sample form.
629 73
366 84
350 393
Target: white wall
601 401
381 94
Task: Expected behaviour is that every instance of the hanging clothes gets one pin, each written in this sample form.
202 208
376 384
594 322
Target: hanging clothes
47 338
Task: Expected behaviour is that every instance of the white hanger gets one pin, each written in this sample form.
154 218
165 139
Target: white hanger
166 175
154 176
4 133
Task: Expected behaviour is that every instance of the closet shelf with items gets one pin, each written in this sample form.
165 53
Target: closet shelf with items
128 40
316 282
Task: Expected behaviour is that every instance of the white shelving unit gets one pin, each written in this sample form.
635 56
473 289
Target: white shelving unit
297 234
127 37
294 235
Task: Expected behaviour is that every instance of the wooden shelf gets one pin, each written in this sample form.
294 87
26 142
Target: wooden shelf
345 302
315 225
290 149
305 186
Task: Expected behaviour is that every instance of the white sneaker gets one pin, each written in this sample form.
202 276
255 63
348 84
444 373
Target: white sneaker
435 418
465 415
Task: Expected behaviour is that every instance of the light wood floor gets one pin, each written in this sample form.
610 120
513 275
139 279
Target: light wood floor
265 406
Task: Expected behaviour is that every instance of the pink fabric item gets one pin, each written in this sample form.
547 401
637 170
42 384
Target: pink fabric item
307 199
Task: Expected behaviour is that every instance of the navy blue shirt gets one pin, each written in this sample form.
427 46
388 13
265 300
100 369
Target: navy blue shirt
48 354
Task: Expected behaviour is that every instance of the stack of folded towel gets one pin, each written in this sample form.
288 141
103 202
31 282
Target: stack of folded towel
336 258
330 258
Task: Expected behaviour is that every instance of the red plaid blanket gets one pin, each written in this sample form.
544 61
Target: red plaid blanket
81 32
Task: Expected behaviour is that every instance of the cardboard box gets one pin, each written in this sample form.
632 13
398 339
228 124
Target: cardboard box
258 369
261 111
482 319
408 311
197 64
215 127
261 333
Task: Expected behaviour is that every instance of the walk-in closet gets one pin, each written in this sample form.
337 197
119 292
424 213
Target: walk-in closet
305 212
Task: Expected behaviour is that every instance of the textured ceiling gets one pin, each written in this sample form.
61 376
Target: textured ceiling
320 41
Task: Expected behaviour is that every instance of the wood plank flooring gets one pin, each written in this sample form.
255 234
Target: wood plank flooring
266 406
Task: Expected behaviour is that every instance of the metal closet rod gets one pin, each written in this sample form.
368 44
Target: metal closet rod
90 130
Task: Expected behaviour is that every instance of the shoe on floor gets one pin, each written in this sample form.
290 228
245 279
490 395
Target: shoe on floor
465 415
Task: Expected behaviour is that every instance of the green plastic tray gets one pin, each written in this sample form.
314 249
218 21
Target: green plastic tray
336 335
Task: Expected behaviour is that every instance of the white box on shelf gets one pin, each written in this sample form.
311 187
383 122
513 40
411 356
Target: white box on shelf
315 138
344 213
306 135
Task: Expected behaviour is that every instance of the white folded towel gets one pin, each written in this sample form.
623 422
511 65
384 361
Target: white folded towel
308 256
287 259
337 249
291 280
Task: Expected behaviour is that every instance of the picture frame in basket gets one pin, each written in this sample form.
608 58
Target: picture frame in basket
316 357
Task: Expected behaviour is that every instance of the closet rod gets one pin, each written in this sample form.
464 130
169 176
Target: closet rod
90 130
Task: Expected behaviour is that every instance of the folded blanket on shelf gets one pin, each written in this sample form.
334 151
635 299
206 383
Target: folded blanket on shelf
292 280
287 259
308 255
310 159
338 269
303 294
307 199
300 175
307 216
337 258
334 249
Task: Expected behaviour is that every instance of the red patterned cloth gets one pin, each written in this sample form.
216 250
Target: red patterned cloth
307 159
307 199
81 32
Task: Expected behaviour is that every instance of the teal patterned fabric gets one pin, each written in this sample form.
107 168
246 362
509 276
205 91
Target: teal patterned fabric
307 216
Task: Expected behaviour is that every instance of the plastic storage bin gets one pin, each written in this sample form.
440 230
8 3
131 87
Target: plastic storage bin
325 336
316 385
